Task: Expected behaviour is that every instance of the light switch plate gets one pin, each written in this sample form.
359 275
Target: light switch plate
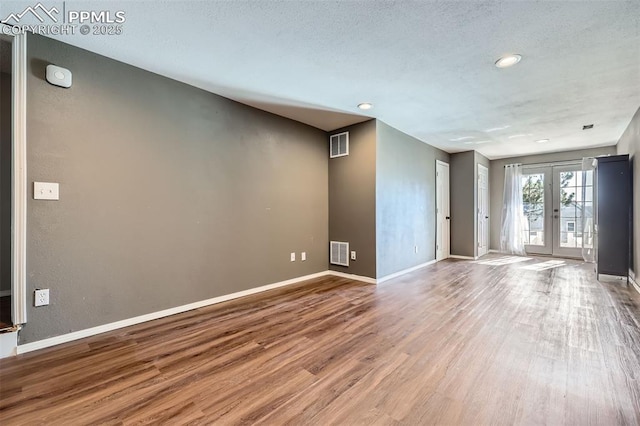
303 256
46 191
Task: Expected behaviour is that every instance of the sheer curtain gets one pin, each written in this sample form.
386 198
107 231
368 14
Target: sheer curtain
511 232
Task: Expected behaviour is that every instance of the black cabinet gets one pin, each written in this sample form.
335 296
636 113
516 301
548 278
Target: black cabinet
613 216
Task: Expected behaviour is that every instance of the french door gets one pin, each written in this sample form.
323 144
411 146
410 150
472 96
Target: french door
558 203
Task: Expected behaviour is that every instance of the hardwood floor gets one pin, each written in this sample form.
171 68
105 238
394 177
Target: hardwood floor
457 342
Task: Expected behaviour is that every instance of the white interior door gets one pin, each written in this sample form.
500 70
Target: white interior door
483 210
443 222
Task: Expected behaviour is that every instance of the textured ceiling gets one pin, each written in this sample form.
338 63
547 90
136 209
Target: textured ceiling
427 66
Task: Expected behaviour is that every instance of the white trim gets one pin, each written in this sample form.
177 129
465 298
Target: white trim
494 251
19 212
405 271
4 293
81 334
8 344
632 280
368 280
455 256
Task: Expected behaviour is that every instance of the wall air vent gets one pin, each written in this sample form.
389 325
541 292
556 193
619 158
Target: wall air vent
339 145
339 253
587 127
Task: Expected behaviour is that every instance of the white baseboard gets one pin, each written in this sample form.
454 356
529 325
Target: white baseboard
455 256
404 271
4 293
81 334
494 251
353 277
632 280
8 344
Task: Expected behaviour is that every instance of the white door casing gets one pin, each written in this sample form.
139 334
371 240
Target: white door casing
19 177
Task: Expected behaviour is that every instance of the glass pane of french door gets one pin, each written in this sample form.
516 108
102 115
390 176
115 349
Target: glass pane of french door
536 198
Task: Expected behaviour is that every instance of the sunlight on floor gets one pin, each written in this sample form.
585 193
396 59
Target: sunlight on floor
505 260
550 264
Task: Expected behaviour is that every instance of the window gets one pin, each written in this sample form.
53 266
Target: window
571 227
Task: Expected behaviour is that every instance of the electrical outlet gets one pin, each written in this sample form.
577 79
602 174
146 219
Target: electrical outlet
303 256
41 297
353 255
293 257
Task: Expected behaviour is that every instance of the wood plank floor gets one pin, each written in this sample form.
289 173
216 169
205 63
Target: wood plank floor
459 342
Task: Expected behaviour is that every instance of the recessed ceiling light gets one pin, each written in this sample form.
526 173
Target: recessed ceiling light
365 105
508 61
542 141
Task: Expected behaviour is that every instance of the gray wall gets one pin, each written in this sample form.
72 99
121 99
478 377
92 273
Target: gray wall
496 180
5 181
169 194
352 198
463 203
406 200
629 143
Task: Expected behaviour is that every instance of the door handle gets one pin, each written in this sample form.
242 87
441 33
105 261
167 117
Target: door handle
447 218
486 217
555 216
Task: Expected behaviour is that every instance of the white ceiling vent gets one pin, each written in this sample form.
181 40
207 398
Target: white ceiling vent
339 144
339 253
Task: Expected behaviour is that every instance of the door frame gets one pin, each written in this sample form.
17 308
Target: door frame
19 177
443 218
482 213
